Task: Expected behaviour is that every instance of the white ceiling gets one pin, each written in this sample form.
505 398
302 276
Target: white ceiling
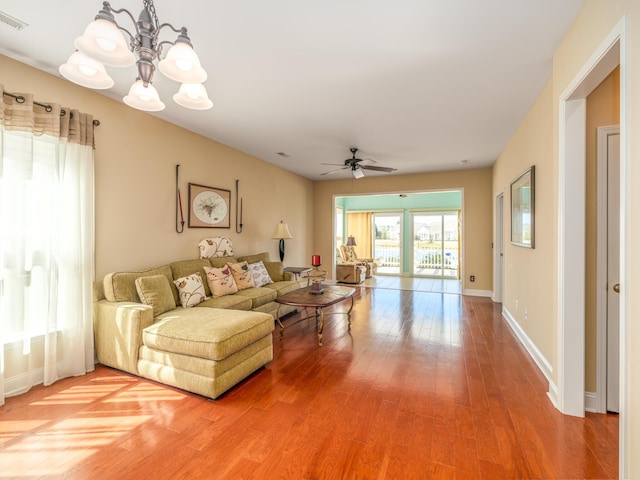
417 85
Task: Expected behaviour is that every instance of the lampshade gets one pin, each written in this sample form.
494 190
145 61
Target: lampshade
281 231
194 96
86 71
144 98
182 64
103 41
357 173
351 241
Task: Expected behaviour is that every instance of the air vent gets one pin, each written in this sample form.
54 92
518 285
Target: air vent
12 21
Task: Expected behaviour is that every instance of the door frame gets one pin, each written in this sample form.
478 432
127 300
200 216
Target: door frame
442 212
498 249
601 265
568 395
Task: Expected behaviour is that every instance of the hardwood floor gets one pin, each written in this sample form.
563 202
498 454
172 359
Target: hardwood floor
425 386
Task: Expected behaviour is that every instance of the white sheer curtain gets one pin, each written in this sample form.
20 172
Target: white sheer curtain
46 244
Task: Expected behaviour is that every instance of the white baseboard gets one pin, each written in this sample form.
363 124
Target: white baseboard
477 293
590 402
542 363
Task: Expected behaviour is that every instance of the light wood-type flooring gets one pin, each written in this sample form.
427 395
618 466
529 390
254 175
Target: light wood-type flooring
424 386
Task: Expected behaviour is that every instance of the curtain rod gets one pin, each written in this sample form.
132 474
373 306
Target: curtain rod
48 108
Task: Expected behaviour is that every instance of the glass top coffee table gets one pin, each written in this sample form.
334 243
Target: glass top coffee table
304 298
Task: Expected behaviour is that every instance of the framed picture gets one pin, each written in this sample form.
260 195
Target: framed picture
209 207
523 209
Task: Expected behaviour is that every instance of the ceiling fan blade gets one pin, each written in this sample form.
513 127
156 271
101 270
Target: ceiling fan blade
336 164
334 171
378 169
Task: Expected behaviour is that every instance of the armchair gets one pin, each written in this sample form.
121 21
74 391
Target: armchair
349 255
349 272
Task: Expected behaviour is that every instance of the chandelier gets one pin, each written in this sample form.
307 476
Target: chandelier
103 43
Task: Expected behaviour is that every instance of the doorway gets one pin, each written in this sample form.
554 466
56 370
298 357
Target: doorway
436 244
387 242
568 394
498 250
608 270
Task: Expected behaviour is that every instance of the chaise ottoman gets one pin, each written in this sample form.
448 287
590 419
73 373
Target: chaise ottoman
205 350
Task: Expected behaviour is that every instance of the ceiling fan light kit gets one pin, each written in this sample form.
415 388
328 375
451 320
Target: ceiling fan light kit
356 166
103 43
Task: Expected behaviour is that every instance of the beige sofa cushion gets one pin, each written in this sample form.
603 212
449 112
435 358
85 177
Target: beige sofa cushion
234 302
219 262
207 332
121 286
259 295
285 286
155 291
264 257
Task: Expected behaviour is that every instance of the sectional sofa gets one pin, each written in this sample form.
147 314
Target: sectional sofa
142 328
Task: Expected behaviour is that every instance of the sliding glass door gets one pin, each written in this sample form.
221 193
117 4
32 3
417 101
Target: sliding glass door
436 249
387 242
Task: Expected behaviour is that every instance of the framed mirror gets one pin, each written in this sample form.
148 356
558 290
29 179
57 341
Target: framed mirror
523 209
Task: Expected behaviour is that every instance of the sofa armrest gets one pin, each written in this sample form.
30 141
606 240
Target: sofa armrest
118 332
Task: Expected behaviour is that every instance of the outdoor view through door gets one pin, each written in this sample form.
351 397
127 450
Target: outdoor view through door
435 244
387 242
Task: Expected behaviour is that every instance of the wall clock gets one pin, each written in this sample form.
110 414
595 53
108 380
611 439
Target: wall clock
208 207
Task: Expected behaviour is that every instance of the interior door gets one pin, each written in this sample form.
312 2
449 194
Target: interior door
613 272
387 242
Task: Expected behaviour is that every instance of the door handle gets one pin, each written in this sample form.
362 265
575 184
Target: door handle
616 288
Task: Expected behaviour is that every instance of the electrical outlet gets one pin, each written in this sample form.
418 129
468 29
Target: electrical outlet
526 314
472 278
517 304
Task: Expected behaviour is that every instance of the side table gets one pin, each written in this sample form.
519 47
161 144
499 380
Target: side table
297 271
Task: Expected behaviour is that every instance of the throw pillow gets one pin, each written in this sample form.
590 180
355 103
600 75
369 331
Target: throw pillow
155 291
220 281
275 270
215 247
259 273
242 275
191 290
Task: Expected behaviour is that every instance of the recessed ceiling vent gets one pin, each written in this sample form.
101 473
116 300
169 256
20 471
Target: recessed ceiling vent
12 21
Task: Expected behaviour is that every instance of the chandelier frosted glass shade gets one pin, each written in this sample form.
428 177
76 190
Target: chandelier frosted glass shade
144 98
182 64
194 96
103 41
86 71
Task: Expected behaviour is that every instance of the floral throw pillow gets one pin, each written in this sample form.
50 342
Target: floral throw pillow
215 247
220 281
191 290
242 275
259 273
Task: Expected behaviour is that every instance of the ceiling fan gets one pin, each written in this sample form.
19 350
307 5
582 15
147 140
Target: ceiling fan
356 166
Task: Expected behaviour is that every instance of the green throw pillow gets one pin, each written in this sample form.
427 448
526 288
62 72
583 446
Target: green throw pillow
155 291
275 270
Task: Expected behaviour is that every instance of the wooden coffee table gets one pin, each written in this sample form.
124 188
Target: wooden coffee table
303 298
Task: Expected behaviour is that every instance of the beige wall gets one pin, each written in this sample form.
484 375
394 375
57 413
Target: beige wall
537 139
477 224
135 159
603 108
528 273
